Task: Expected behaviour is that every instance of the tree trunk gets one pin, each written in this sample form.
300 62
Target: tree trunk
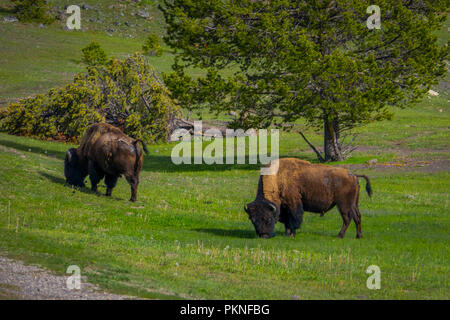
332 144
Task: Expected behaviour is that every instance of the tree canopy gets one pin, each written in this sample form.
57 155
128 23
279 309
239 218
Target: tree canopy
276 61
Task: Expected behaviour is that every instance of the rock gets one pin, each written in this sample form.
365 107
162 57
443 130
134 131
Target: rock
433 93
10 19
372 162
127 24
410 196
143 14
86 7
116 23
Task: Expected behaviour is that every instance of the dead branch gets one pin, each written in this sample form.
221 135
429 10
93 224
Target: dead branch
319 155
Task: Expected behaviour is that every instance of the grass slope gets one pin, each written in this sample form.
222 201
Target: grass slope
188 236
36 58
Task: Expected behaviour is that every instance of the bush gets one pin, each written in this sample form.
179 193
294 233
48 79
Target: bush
152 46
94 55
33 11
125 93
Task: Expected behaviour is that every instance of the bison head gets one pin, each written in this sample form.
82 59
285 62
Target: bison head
263 215
74 169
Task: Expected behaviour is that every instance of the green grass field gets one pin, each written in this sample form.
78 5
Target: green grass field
188 235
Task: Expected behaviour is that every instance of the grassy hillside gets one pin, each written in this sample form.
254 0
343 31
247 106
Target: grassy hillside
36 58
188 235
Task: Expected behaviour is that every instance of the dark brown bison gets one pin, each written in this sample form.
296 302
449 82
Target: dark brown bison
300 186
105 151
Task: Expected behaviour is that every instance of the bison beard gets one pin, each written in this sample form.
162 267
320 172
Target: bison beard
300 186
105 152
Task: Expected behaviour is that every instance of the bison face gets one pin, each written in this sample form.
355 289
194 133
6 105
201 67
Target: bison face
73 169
263 215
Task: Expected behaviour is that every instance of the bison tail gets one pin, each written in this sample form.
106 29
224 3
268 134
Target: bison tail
368 187
138 154
143 145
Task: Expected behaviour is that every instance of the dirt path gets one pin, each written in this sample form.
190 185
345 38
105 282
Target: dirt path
18 281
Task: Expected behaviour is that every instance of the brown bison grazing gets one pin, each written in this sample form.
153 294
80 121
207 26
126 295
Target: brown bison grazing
300 186
105 151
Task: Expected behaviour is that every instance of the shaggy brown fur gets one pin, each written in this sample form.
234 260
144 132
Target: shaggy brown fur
105 151
300 186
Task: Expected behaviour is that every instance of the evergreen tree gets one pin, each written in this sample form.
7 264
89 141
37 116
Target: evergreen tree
33 11
277 61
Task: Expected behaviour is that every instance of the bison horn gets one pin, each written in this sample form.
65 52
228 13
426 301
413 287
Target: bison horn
246 208
274 208
69 156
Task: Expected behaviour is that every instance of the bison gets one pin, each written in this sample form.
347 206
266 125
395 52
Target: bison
105 151
300 186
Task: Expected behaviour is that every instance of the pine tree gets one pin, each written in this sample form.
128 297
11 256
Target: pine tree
277 61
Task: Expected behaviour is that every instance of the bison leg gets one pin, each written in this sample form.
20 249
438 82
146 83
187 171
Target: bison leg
95 175
346 218
357 216
294 220
357 219
110 181
134 182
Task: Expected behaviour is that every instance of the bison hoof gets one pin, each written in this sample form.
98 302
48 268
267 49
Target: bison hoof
341 236
359 236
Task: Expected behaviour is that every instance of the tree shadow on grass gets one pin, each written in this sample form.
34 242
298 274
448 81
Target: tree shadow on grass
158 163
244 234
5 10
152 162
38 150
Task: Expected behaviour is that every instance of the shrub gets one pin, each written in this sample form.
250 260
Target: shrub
125 93
94 55
33 11
152 46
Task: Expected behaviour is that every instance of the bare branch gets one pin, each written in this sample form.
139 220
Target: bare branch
319 155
